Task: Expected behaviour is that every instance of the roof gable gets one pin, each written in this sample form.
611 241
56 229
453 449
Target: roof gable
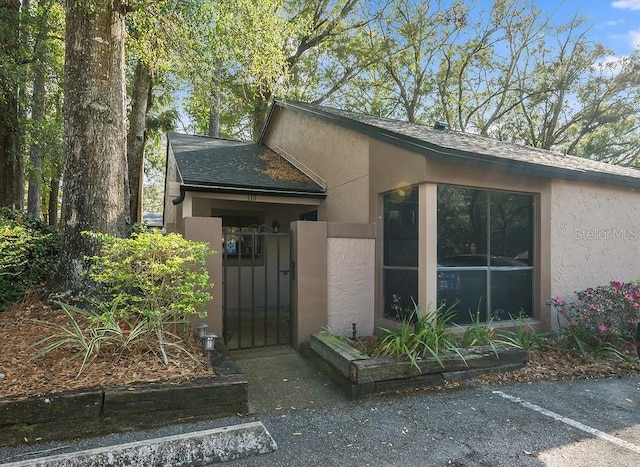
222 163
459 147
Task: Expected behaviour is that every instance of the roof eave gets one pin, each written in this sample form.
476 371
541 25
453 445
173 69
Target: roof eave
469 158
184 188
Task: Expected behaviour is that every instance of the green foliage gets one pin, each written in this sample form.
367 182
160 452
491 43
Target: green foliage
588 344
612 309
421 335
101 332
524 336
145 290
150 275
28 254
479 333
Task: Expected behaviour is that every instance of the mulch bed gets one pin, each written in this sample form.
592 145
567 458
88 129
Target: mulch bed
57 371
544 364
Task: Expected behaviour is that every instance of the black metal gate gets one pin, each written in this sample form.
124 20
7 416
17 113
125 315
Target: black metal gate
257 278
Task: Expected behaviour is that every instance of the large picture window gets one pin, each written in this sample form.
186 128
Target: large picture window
485 253
400 259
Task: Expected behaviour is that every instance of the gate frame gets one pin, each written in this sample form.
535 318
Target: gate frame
289 272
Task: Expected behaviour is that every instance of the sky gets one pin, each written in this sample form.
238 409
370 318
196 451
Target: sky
615 23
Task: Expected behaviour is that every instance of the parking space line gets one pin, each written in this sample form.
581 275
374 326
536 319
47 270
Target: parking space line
580 426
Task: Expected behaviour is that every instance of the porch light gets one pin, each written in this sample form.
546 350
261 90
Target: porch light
209 342
202 329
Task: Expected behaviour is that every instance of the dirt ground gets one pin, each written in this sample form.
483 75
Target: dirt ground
57 371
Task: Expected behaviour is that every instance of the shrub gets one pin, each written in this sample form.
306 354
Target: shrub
152 277
150 274
600 318
28 254
612 309
420 336
145 289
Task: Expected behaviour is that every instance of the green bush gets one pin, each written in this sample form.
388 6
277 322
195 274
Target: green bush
28 254
598 319
144 291
421 336
151 277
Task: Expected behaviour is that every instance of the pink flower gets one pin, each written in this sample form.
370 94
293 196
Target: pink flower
592 306
616 284
559 300
602 328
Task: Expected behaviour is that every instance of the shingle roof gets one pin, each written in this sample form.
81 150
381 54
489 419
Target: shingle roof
458 147
218 163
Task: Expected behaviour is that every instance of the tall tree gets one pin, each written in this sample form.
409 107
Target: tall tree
11 165
235 56
95 169
576 91
38 110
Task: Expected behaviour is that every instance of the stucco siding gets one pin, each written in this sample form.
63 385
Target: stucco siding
171 189
350 285
339 157
595 236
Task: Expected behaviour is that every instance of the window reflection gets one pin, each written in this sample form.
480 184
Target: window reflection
485 253
400 258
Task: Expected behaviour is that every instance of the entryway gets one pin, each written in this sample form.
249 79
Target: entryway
257 275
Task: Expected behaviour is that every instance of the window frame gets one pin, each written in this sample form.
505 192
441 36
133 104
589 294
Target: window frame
488 268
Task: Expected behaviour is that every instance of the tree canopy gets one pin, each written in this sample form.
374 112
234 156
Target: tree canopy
507 70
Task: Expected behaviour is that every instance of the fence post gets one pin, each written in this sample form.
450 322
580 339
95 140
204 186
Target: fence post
209 229
309 288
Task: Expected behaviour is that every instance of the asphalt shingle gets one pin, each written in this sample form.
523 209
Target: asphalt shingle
456 146
205 161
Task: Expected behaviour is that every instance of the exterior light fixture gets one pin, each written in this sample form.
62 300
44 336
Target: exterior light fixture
209 342
202 329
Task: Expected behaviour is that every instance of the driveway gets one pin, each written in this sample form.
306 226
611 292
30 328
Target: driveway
579 423
582 423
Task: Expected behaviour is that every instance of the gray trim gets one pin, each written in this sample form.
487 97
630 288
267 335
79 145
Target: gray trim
244 190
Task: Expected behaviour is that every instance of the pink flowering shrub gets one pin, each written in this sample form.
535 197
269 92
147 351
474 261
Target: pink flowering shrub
612 309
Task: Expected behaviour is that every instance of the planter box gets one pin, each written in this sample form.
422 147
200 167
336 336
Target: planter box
100 411
361 375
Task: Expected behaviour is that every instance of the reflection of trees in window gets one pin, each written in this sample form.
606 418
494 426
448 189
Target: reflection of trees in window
400 263
485 252
468 217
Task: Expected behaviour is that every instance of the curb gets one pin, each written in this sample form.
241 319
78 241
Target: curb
197 448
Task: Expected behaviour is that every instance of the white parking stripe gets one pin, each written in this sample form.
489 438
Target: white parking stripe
571 422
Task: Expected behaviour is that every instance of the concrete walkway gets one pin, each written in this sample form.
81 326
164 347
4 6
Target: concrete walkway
282 379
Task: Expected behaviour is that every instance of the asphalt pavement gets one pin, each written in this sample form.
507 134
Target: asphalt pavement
576 423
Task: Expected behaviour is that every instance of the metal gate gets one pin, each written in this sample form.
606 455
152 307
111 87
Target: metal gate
257 276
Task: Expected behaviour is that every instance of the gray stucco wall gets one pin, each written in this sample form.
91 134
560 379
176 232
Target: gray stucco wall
595 236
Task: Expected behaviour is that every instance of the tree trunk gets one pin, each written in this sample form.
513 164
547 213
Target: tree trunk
214 110
11 165
54 190
95 170
34 195
214 117
137 136
260 112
